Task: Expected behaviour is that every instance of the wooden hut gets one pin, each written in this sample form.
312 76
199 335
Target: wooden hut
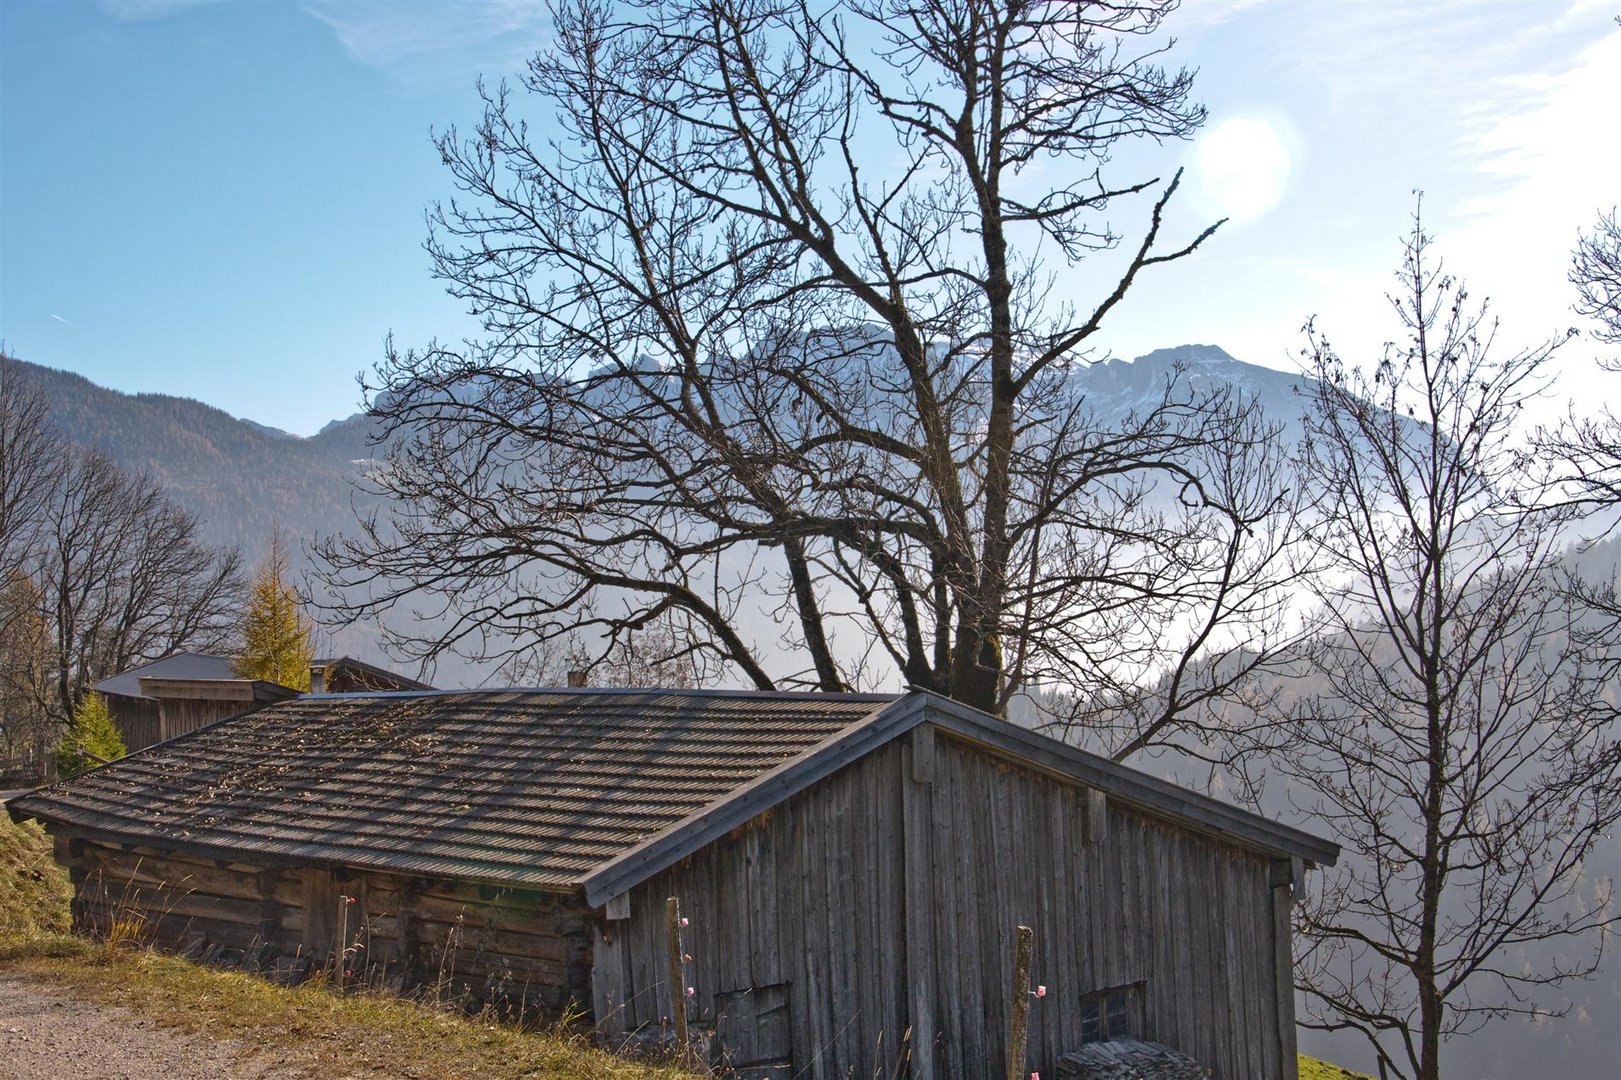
851 868
346 675
185 690
138 715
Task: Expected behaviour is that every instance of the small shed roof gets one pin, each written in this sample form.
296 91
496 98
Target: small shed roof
359 675
180 665
592 788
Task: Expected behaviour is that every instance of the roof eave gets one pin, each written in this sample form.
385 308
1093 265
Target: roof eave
664 849
1159 798
90 828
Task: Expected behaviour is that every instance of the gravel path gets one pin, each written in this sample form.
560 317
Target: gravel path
47 1035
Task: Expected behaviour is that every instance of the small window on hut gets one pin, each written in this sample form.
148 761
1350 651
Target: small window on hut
1115 1013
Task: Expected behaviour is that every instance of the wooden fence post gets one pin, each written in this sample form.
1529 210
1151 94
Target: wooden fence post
340 944
1019 1028
678 990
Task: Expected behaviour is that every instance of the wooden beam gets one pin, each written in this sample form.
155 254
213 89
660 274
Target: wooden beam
917 827
677 965
1097 816
923 754
609 977
618 908
248 690
1284 980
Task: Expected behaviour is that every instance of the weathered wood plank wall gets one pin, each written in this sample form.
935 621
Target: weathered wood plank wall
881 905
1116 898
524 950
809 896
180 715
137 721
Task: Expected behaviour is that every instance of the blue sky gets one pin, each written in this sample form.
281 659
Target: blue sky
224 200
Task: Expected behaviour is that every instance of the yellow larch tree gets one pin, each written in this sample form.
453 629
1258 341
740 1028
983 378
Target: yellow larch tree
277 640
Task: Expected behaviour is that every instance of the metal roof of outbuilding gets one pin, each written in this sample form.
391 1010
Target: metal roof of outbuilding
180 665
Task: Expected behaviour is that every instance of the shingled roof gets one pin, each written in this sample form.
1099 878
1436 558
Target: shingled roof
529 787
562 789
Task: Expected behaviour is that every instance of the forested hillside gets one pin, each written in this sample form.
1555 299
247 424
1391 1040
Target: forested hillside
237 475
240 478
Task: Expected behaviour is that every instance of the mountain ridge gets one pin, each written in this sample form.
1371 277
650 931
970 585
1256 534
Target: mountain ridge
241 475
244 478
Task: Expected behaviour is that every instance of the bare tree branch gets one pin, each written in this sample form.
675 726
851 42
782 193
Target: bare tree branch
1451 727
766 349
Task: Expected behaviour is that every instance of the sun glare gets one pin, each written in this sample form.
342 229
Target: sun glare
1241 167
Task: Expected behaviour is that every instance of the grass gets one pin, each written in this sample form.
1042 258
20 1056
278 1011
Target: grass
34 890
324 1034
1313 1069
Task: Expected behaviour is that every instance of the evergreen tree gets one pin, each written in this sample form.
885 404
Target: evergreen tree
277 643
91 739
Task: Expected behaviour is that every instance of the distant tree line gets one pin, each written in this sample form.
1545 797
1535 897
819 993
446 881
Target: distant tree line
99 571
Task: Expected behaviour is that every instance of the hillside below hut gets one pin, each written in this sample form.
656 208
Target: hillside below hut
851 870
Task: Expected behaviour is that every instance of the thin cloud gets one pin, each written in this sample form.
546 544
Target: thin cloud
427 40
63 321
1196 15
1557 143
1550 168
147 10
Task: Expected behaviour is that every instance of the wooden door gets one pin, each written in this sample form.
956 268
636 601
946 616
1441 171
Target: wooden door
752 1033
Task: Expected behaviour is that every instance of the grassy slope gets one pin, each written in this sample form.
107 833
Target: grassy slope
374 1035
1312 1069
34 891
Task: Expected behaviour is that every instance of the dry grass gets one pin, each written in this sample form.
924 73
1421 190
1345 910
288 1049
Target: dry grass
34 890
320 1033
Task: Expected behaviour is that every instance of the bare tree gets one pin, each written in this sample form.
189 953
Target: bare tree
99 571
125 578
1453 736
771 327
655 656
1589 446
29 464
1596 272
27 733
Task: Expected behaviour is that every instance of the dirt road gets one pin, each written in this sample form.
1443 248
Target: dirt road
47 1035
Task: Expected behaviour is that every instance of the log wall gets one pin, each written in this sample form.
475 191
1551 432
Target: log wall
520 951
